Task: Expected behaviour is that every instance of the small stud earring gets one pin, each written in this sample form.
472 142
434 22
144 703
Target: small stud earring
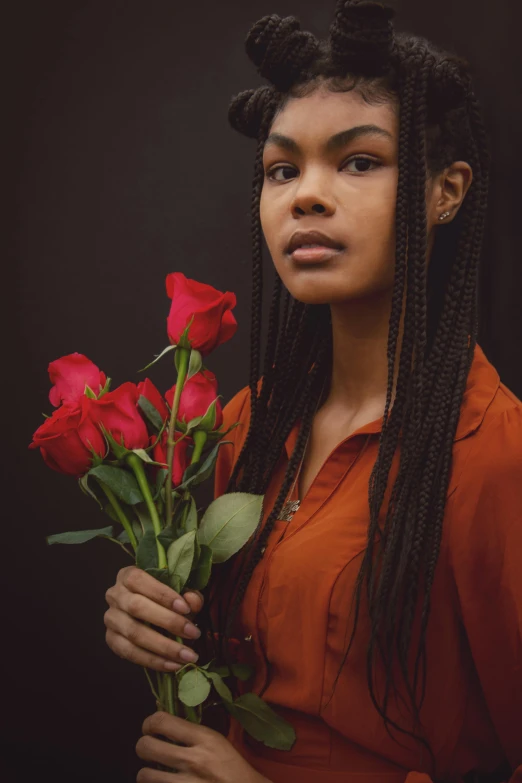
444 215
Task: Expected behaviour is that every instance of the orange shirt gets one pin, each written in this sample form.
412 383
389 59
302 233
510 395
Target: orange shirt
296 609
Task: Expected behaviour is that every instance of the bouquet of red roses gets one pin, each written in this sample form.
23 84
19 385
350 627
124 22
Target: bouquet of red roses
141 456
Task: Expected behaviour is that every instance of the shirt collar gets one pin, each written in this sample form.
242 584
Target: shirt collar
481 386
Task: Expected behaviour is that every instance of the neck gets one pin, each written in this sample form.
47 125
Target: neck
359 359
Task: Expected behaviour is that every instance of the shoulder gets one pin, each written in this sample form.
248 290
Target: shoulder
484 507
495 446
236 415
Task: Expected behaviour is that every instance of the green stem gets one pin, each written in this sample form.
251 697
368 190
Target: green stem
169 697
154 692
139 471
115 503
183 363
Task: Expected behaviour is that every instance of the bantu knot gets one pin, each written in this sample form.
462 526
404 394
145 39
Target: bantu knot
247 109
450 85
362 36
280 49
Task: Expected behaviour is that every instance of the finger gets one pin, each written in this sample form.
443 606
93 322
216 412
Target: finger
138 581
195 600
152 749
148 775
147 638
143 608
176 729
140 644
123 648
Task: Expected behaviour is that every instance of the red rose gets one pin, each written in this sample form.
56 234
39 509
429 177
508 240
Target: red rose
148 390
118 412
70 375
198 393
64 439
213 322
181 456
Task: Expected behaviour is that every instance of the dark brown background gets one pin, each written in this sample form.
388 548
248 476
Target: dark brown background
123 168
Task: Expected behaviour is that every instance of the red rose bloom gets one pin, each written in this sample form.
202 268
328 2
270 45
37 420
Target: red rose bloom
213 322
64 439
148 390
118 412
198 393
70 375
181 456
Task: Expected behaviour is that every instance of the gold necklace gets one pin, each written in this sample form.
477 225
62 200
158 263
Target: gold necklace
291 506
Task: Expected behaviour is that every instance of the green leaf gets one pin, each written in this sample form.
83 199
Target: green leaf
121 481
89 393
106 388
184 339
147 552
228 523
193 688
78 536
166 537
201 574
161 574
191 521
158 357
242 671
180 557
85 488
219 685
195 363
150 412
160 480
119 450
123 536
208 421
199 471
175 582
142 512
261 722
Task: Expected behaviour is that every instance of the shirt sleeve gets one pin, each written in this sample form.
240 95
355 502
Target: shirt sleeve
234 411
485 535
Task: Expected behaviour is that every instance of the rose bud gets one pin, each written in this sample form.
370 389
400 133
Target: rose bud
148 390
199 392
181 455
117 411
70 375
64 439
213 322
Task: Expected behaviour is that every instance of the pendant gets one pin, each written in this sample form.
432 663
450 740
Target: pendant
288 510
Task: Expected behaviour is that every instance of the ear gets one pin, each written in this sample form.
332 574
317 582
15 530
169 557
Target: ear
447 191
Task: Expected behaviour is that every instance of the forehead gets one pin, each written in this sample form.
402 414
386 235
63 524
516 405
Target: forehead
324 113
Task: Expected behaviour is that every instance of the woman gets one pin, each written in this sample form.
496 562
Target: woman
389 451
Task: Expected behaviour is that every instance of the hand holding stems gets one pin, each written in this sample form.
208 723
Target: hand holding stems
199 753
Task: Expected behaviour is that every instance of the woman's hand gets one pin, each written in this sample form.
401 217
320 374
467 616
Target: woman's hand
138 598
205 755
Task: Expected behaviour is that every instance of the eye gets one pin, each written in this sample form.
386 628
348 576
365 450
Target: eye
359 159
273 171
287 172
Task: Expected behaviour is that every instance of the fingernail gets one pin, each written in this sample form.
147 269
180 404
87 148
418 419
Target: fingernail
192 631
181 606
188 655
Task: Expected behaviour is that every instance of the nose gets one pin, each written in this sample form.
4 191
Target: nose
310 199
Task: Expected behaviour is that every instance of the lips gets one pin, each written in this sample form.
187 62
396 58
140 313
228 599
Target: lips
300 238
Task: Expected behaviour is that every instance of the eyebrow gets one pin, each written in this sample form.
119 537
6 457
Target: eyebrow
335 142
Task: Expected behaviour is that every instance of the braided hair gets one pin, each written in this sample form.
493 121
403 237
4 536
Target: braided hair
440 122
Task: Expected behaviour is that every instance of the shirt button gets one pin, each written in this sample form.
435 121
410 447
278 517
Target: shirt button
248 638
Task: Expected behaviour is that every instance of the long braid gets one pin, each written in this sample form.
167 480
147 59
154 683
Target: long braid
440 121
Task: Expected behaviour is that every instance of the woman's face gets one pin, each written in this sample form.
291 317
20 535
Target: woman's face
323 172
